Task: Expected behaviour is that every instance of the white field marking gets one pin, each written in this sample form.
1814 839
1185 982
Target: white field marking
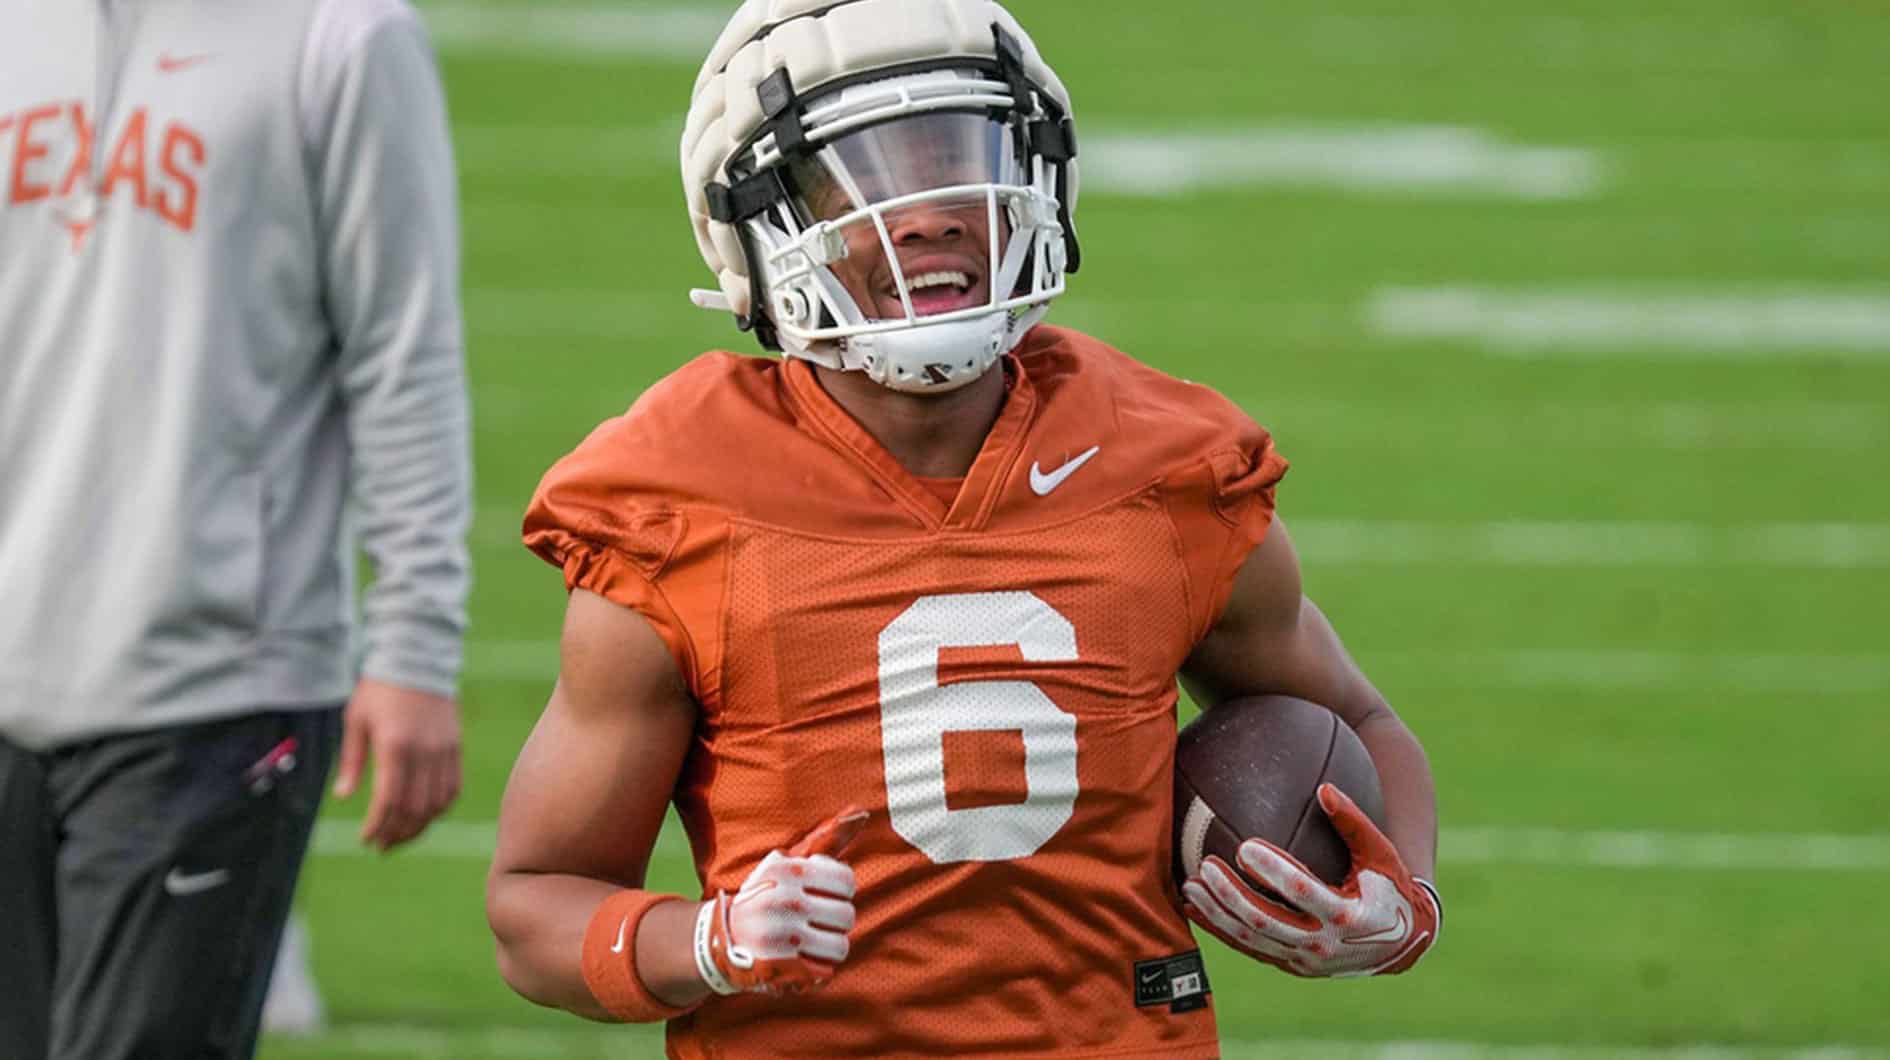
1641 671
1722 326
453 839
627 314
1702 164
528 661
536 662
1453 1050
622 314
1622 42
1706 852
420 1040
1841 546
606 152
1629 425
1387 158
685 31
680 33
1421 157
1784 852
1677 425
1424 159
1328 1049
1832 546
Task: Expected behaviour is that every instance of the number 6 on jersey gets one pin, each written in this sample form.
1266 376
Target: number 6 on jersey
916 712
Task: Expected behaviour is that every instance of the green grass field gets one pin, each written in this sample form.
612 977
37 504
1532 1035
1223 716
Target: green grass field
1630 589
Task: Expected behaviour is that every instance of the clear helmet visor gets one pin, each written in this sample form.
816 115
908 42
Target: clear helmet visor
919 211
919 153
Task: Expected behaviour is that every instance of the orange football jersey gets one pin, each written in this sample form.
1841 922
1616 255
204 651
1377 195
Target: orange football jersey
992 675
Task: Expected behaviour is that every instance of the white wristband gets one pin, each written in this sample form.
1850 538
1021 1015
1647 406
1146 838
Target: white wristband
705 956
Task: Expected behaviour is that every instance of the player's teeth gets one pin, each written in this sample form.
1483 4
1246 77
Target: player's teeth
936 279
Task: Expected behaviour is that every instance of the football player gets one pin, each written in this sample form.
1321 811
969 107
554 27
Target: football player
896 620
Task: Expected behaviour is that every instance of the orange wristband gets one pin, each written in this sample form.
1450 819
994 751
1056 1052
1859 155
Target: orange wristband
610 959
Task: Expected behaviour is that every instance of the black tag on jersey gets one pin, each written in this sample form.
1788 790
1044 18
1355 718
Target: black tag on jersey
1180 982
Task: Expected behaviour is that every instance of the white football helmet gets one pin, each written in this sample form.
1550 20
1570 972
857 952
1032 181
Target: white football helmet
826 138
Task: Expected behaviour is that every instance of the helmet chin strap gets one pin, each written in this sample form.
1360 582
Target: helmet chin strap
925 358
930 358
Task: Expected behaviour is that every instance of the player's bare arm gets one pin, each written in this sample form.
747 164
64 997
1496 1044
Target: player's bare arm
612 741
1272 639
582 810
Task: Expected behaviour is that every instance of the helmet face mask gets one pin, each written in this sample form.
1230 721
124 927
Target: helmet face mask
907 221
921 220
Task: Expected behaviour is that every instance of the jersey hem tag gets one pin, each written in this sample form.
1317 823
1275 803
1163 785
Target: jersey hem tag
1180 982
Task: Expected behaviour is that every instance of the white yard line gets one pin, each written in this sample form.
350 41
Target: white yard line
1633 426
680 33
604 152
1841 546
1779 852
1546 423
1759 325
1366 158
544 315
1707 852
1687 673
1626 40
420 1040
536 661
684 31
1455 1050
1724 426
339 838
1358 542
627 313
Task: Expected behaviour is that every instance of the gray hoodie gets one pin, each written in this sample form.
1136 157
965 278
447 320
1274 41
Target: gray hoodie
232 318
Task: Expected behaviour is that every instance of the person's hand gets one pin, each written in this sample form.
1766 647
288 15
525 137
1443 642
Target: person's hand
414 737
1378 922
786 930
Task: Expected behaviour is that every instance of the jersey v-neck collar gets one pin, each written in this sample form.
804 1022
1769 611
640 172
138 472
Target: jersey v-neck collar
983 484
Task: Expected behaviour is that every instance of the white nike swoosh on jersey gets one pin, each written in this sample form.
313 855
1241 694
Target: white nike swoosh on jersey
1043 485
180 883
621 929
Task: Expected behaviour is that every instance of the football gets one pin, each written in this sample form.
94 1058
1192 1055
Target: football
1251 769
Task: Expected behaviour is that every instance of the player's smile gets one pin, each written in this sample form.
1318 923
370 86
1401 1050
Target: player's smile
937 283
942 254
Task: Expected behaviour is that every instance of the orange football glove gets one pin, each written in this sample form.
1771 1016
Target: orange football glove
786 929
1378 922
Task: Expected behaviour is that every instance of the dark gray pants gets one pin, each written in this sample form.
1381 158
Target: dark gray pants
144 881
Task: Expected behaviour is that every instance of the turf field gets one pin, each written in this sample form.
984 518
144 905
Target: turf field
1575 321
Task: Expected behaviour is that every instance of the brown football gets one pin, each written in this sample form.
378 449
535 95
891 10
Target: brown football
1251 768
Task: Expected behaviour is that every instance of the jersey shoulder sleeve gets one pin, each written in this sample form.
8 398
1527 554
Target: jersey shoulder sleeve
1164 425
1216 470
631 516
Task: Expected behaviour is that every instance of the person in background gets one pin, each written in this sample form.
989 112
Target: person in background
231 356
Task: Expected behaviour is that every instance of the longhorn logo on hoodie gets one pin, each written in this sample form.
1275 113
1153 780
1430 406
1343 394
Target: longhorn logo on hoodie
46 153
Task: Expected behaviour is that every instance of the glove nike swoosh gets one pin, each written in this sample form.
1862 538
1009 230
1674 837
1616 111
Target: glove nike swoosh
1394 933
